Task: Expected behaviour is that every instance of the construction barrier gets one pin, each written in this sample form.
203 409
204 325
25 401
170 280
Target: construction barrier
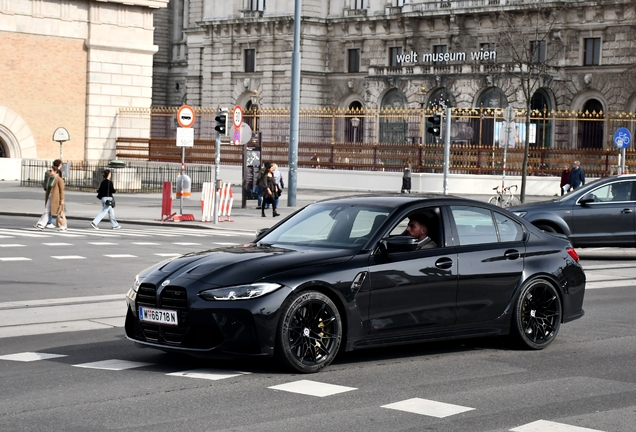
207 202
166 202
226 199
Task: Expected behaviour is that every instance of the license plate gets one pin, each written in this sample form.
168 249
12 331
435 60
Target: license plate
158 316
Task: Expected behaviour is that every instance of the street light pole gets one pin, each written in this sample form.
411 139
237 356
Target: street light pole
295 110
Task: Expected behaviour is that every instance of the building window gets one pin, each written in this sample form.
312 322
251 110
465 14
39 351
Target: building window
357 4
354 61
394 52
538 51
592 55
249 60
256 5
438 54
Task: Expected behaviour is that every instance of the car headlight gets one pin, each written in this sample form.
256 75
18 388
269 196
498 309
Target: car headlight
240 292
136 283
519 213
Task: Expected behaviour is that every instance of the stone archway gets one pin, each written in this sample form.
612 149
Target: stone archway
354 125
590 132
18 141
541 104
490 98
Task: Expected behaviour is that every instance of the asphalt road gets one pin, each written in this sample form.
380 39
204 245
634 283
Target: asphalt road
57 379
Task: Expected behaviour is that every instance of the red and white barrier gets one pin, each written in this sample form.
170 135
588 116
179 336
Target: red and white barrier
207 202
226 199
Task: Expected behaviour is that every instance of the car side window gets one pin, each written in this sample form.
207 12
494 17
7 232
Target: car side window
474 225
431 216
509 230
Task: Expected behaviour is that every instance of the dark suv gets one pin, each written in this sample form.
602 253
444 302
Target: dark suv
601 213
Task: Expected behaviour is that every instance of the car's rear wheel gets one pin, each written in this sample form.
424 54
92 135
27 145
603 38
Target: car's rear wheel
537 315
547 228
309 332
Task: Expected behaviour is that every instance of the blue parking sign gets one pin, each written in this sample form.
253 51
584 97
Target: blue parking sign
622 138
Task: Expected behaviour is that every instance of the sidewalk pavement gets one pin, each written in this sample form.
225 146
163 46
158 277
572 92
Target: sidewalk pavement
82 207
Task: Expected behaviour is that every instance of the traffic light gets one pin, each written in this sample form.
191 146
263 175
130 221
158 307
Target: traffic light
436 125
221 123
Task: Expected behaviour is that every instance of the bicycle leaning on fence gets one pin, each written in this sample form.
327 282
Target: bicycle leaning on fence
505 197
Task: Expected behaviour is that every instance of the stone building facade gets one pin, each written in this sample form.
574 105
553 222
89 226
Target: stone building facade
72 64
400 53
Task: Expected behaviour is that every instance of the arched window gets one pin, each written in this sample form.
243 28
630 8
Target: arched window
354 125
394 98
3 149
441 99
541 107
492 98
393 130
590 128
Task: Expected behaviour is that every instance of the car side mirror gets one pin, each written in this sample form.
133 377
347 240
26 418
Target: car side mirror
398 244
261 232
589 198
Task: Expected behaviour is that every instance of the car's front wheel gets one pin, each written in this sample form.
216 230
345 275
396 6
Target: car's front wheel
309 332
537 315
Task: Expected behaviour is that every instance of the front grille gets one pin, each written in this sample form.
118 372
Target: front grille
147 295
174 298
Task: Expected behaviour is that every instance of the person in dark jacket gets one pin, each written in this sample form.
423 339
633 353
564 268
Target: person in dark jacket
406 177
565 179
105 194
577 176
270 189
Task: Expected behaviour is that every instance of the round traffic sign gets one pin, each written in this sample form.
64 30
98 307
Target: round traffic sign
238 117
622 138
186 116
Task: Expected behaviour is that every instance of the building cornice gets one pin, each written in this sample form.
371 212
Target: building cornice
154 4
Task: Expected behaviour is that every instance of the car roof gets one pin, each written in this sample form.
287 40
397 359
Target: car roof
397 199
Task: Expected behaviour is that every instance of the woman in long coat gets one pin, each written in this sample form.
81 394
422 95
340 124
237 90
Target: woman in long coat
54 201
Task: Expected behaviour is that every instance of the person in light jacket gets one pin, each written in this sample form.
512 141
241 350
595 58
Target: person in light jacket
53 201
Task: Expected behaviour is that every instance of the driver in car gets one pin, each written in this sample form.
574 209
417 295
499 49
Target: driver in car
417 228
620 192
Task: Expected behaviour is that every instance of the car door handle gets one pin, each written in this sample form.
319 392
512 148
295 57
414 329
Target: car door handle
511 254
444 263
626 211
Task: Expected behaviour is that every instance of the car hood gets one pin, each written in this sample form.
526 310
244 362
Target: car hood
240 264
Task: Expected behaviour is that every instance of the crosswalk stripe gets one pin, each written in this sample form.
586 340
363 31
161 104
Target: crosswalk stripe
208 374
428 407
15 259
30 356
68 257
121 256
312 388
113 364
544 425
12 245
124 232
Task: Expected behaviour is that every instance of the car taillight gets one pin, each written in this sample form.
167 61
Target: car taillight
572 253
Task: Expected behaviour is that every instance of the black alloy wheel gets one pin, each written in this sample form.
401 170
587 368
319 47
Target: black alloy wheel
309 332
537 315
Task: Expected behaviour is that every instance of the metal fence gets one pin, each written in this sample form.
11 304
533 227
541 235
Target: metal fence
134 177
384 139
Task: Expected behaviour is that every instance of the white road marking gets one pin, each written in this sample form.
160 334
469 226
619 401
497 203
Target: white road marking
15 259
4 236
61 301
208 374
548 426
12 245
68 257
312 388
113 364
186 244
103 243
224 244
23 233
146 243
121 256
30 356
428 407
610 284
168 254
57 244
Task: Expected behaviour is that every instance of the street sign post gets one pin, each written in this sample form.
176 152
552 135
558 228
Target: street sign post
61 135
622 139
237 118
186 116
185 138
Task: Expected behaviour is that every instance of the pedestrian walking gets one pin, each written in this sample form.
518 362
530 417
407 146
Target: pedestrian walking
105 194
53 202
270 190
258 189
565 179
280 183
46 183
577 176
406 176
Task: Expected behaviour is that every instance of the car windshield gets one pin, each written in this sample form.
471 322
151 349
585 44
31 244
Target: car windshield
580 191
329 225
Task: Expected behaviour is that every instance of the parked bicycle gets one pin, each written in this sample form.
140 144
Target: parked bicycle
505 197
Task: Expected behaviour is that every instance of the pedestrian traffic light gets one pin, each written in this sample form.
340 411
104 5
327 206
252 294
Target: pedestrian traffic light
221 123
436 128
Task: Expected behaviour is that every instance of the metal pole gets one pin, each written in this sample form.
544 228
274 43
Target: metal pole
182 170
622 161
447 141
61 149
295 108
217 170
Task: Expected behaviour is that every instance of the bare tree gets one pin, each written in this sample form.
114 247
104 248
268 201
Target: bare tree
530 48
